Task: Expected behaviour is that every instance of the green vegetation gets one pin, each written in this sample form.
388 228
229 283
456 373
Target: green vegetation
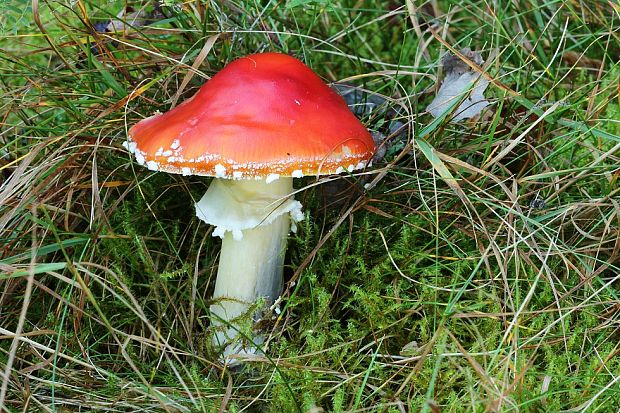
478 272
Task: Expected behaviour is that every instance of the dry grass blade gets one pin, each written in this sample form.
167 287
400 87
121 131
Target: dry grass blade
22 319
197 62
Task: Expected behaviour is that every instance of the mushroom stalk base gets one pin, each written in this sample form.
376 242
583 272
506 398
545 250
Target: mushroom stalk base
250 269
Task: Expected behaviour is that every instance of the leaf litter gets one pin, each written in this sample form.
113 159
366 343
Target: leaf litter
460 81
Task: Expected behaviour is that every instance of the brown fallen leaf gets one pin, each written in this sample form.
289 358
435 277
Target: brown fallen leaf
578 59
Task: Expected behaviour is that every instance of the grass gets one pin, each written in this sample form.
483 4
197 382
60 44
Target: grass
478 272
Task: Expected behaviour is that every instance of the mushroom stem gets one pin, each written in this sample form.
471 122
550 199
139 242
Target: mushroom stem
252 216
249 269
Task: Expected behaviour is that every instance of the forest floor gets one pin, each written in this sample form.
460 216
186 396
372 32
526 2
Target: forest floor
474 267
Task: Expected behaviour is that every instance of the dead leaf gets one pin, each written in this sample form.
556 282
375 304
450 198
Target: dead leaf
580 60
127 20
460 84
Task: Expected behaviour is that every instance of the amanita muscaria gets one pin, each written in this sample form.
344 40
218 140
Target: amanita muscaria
263 120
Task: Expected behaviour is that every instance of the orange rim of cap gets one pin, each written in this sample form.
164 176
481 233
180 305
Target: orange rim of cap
261 115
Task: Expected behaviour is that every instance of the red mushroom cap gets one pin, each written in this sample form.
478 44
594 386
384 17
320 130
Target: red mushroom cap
262 114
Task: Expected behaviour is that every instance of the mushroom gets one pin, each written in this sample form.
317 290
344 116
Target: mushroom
263 120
